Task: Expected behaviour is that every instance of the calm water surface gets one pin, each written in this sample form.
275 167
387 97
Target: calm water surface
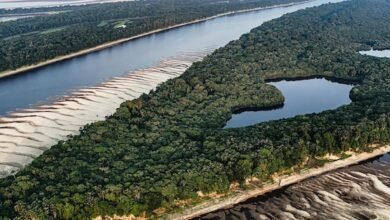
357 192
58 79
12 18
384 158
376 53
301 97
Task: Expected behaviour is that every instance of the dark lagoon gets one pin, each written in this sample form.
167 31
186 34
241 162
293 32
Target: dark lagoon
43 84
301 97
360 191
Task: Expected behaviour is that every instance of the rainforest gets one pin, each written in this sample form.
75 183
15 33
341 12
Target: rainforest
58 31
161 149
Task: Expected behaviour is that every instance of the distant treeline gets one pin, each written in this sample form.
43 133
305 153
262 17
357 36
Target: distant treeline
32 40
162 148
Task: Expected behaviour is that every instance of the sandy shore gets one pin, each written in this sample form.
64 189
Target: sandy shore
113 43
27 133
223 203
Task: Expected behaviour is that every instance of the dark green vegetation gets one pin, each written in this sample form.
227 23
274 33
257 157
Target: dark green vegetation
169 144
31 40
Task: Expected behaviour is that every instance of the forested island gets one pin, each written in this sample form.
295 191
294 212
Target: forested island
70 29
158 151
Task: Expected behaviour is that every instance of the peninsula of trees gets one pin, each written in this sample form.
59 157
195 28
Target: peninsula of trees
164 147
71 29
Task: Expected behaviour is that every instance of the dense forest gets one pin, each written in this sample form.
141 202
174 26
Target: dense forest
73 28
163 147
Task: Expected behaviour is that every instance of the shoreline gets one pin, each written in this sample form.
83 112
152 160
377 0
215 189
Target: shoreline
65 4
214 205
23 69
316 76
28 133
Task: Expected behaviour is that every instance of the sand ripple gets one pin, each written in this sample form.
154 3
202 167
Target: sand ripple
27 133
357 192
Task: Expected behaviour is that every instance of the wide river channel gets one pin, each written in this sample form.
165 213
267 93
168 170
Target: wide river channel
356 192
44 84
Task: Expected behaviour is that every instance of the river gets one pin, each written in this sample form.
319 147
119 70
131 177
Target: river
357 192
45 105
12 18
43 84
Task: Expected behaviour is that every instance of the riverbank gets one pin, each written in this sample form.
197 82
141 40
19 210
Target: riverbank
26 134
9 5
123 40
224 203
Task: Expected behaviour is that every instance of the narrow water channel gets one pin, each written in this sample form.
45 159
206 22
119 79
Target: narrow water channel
43 84
376 53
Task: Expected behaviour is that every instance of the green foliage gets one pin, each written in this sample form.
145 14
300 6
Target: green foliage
32 40
170 144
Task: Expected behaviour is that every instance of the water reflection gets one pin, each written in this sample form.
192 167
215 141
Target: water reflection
59 79
301 97
376 53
